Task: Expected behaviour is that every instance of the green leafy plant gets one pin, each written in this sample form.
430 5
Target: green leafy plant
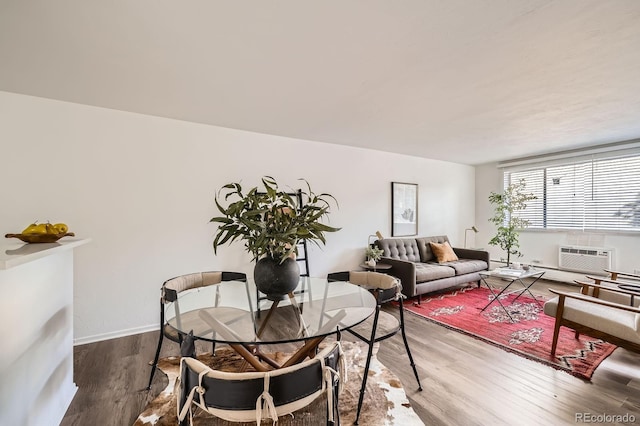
269 220
512 200
373 253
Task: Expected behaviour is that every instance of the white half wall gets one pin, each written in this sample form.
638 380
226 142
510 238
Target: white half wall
142 188
541 247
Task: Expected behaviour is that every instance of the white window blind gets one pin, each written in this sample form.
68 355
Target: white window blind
587 194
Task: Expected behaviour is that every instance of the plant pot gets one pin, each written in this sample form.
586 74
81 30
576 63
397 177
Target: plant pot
275 279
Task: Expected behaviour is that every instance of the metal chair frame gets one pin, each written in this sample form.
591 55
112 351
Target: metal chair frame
168 295
382 296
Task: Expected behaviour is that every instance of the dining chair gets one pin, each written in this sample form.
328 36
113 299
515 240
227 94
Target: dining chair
169 293
254 396
385 288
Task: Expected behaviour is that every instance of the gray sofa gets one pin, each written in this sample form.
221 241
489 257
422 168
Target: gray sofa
415 265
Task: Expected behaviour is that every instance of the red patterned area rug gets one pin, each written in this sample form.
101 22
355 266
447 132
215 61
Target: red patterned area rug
530 334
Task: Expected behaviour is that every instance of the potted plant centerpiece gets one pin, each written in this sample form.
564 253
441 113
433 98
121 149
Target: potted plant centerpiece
373 254
271 222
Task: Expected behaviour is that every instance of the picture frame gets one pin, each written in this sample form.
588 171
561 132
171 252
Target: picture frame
404 209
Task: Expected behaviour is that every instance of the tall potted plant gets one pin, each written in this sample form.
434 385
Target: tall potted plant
271 222
512 200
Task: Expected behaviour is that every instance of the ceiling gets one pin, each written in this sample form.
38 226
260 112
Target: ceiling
469 81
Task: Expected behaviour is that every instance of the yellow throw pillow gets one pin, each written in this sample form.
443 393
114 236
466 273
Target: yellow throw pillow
443 252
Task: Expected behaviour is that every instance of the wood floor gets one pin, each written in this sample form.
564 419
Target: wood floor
465 381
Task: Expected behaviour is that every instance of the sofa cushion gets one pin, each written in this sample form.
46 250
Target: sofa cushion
400 248
467 266
432 271
443 252
426 255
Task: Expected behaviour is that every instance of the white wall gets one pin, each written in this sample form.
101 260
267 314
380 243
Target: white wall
142 189
542 246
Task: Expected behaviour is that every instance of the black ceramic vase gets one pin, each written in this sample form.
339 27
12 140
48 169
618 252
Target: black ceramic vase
275 279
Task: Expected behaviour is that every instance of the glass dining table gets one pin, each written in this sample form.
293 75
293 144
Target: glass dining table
233 313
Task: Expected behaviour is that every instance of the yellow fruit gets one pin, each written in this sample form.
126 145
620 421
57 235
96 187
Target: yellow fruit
31 229
40 228
61 228
51 229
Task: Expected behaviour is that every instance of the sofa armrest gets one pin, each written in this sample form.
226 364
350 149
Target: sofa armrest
405 271
463 253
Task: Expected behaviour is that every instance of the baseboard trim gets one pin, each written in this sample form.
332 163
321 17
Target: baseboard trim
114 334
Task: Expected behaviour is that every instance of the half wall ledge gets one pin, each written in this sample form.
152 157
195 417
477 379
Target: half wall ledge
36 313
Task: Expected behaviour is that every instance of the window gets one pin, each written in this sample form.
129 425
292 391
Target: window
600 193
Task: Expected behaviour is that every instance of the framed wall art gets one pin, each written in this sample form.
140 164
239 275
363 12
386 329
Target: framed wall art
404 209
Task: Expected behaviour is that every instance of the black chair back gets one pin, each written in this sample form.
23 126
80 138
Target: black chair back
233 396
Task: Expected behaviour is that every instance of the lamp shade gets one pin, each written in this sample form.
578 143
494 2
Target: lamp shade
474 229
378 235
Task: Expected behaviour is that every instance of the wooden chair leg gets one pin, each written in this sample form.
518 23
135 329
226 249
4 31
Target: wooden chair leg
558 323
556 332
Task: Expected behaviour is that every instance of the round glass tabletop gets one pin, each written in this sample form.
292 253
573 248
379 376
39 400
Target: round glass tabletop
233 312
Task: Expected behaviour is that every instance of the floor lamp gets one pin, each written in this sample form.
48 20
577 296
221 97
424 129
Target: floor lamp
377 235
474 229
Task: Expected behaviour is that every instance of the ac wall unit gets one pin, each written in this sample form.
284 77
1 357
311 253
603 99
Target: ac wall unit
585 259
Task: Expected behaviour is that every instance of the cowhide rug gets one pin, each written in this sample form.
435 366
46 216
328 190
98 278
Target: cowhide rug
385 402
